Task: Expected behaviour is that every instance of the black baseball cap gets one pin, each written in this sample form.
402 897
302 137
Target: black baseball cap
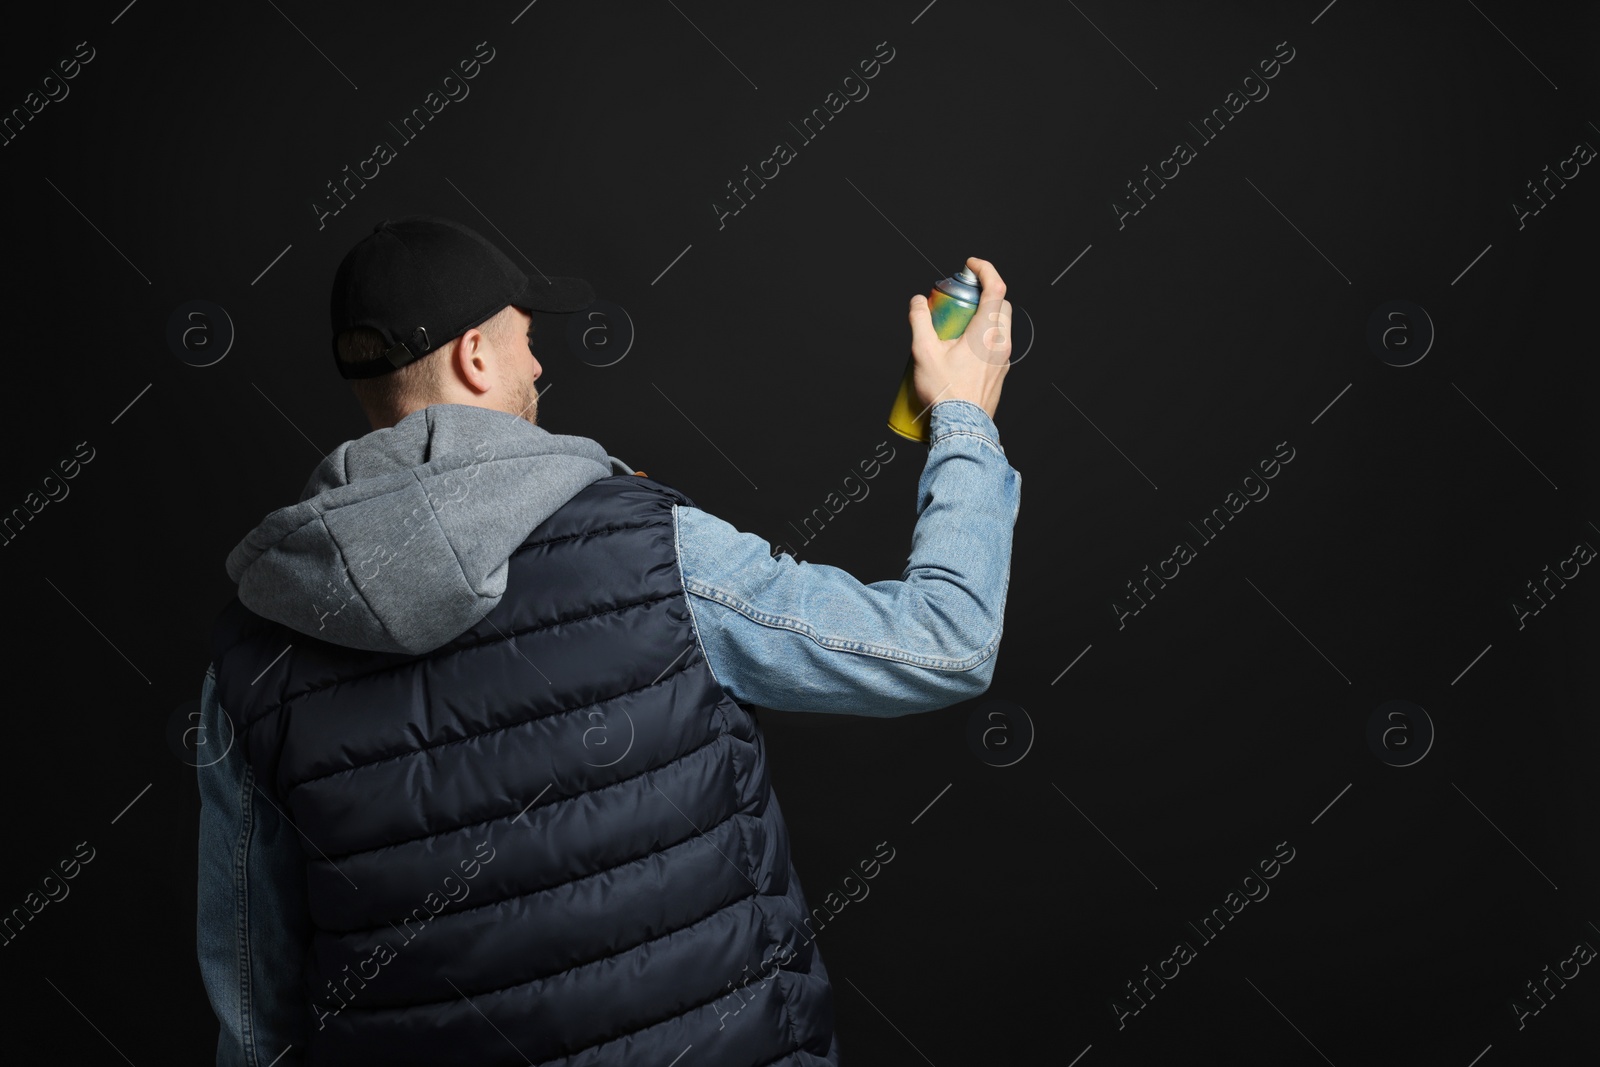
421 281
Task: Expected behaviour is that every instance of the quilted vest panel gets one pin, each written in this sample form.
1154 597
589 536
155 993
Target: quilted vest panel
552 840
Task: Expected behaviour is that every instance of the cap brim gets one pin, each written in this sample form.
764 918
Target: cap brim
555 294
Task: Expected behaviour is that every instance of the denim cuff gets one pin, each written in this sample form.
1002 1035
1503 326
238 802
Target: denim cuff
961 416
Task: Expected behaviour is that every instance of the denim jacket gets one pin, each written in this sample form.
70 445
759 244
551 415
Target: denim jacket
776 633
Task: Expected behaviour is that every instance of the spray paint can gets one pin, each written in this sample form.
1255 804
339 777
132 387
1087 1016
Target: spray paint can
951 305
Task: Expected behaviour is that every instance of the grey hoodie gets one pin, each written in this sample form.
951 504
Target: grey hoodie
401 538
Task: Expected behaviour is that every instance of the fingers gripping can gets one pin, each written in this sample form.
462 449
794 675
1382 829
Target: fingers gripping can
951 305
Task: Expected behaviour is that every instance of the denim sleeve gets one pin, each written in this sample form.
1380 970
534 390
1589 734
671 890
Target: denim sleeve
796 636
252 927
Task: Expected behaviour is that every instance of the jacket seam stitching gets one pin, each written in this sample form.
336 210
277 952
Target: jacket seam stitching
566 970
559 885
412 661
637 1029
494 729
501 815
242 914
694 625
784 622
985 438
585 533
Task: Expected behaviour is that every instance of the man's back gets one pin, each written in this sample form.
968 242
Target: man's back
553 836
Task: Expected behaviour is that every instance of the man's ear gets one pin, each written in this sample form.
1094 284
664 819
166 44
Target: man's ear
472 361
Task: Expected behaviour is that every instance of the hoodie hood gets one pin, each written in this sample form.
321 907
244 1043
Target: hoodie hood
402 538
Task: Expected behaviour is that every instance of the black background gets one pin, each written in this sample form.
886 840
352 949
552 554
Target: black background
1230 715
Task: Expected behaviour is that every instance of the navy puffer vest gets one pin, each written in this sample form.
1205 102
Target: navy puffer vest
552 840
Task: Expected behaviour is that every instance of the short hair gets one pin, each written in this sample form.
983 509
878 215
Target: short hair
388 398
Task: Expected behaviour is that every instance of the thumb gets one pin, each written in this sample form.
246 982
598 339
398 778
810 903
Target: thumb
922 332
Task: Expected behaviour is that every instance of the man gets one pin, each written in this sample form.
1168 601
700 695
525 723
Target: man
494 792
